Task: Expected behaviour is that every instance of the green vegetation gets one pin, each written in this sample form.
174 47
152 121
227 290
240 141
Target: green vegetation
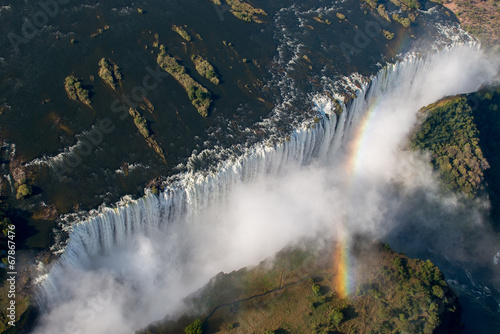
322 20
109 72
75 90
450 134
243 10
142 125
296 293
406 5
388 35
404 21
23 191
140 10
336 316
100 31
383 12
371 3
182 32
205 69
195 328
200 97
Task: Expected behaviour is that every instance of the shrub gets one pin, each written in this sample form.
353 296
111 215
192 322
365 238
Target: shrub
336 317
195 328
23 191
316 290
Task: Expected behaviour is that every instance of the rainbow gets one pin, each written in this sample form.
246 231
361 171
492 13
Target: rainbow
342 281
342 263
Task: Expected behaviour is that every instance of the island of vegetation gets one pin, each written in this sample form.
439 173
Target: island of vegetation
142 125
23 190
451 136
182 32
100 31
200 97
297 292
109 72
388 35
205 69
75 90
404 21
243 10
322 20
407 8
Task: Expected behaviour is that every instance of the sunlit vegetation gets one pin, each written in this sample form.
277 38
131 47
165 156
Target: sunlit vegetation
322 20
75 90
243 10
200 97
24 190
295 293
407 4
383 12
142 125
450 134
182 32
109 72
100 31
388 35
205 69
340 16
195 328
404 21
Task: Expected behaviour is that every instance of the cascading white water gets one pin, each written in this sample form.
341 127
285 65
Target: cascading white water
186 201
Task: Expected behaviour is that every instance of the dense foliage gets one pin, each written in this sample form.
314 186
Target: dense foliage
295 293
182 32
195 328
205 69
109 72
450 134
200 96
75 90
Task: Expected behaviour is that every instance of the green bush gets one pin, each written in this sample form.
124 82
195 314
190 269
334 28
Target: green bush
23 191
195 328
336 317
316 290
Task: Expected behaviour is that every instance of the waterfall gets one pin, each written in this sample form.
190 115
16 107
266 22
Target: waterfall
187 200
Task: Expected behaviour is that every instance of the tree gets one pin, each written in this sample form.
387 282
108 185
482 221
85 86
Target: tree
316 290
336 316
195 328
23 191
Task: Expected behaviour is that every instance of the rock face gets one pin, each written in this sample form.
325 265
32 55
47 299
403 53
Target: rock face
298 292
